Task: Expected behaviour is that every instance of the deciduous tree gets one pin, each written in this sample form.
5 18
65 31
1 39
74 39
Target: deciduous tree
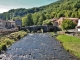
68 24
47 22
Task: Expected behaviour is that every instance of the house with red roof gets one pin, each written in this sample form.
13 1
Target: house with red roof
59 21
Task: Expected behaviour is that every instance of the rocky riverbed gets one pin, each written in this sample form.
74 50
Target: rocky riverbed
37 47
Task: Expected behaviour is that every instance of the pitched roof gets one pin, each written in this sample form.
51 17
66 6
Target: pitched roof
72 18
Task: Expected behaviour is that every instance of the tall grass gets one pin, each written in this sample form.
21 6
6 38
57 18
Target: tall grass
71 44
17 35
8 40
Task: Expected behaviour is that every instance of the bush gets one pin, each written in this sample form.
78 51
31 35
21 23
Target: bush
8 40
68 24
4 47
19 37
0 47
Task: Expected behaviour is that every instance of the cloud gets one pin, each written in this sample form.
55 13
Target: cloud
3 10
6 5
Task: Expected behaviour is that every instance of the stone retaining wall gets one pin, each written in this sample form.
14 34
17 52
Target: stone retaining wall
7 31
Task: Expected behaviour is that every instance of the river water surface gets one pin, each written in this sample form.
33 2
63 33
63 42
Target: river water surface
39 46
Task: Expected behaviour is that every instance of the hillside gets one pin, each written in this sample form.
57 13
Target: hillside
61 8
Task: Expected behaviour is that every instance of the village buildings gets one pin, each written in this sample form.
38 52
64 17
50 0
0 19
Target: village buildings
58 22
8 24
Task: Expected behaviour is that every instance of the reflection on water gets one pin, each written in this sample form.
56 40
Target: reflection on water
37 47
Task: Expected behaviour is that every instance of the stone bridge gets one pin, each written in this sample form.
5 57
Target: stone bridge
45 28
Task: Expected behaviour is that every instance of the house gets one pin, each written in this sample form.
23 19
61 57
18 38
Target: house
78 26
59 21
10 24
7 24
54 21
18 23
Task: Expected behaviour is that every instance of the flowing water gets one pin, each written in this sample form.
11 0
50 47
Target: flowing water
39 46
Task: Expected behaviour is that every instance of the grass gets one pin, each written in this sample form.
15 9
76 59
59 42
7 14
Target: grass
71 44
8 40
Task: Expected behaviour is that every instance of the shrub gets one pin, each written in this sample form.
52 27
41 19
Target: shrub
68 24
4 47
19 37
6 41
0 47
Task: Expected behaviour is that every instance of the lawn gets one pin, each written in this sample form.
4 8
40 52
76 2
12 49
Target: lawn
71 44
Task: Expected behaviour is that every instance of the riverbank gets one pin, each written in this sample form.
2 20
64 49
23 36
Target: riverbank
8 40
70 43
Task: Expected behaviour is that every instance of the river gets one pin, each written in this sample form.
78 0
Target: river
38 46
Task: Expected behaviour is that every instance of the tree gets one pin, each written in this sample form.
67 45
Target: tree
68 24
27 20
47 22
35 17
61 8
41 19
24 21
17 18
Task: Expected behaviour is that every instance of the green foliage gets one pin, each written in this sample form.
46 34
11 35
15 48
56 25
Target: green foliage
24 21
4 47
41 19
71 44
47 22
17 35
5 42
36 15
27 20
17 18
68 24
8 40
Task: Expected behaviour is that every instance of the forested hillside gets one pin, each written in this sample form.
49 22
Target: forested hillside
36 15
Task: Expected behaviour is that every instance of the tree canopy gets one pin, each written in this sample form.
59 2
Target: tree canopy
36 15
47 22
27 20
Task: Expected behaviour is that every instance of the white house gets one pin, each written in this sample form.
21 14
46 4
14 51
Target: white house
78 25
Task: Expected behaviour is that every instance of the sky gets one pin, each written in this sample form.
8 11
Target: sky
6 5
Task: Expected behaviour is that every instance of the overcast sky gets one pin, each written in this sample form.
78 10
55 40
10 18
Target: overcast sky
6 5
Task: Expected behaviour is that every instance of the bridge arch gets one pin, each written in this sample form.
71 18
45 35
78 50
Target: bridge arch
51 29
40 29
